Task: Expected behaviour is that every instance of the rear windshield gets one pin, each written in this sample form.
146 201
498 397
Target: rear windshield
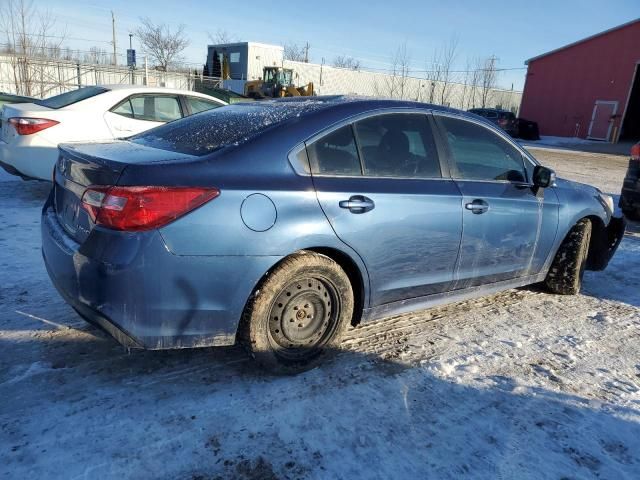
68 98
212 130
507 115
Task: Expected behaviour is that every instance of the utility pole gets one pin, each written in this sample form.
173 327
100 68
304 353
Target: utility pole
113 37
306 53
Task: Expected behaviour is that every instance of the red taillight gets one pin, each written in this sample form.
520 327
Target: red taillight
635 151
28 126
142 208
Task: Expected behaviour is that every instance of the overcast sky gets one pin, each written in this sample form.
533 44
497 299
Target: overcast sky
370 31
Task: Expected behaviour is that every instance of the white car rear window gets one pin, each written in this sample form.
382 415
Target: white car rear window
68 98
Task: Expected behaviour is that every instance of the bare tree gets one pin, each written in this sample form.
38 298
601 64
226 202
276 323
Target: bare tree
30 33
488 77
395 83
448 56
162 45
343 61
295 52
474 68
67 54
466 85
439 71
97 56
221 36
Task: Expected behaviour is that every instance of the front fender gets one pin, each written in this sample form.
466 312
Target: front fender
578 201
604 243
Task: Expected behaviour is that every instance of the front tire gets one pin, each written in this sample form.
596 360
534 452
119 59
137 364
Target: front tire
296 317
566 272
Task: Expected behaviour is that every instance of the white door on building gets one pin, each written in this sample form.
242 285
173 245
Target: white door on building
602 120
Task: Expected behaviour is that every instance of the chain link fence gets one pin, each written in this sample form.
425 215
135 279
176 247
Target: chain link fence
40 77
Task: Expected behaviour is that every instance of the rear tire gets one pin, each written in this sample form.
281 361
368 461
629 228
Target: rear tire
296 317
566 272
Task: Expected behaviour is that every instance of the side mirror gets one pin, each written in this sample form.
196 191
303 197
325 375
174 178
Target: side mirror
543 177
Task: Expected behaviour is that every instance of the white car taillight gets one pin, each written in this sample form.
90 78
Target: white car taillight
28 126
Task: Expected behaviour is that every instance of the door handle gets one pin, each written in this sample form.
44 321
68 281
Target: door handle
357 204
477 206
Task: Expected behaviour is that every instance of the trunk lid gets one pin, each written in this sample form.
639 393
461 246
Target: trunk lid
82 165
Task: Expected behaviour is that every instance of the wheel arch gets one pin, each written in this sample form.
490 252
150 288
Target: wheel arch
355 274
598 235
357 277
597 244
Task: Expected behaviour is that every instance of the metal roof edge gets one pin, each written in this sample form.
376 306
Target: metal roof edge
577 42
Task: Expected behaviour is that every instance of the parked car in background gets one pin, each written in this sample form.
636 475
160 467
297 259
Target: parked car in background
527 129
298 217
630 195
11 98
505 119
30 132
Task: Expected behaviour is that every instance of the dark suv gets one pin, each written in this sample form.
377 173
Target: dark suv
502 118
630 196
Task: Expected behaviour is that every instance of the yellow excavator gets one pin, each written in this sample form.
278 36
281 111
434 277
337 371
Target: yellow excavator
276 82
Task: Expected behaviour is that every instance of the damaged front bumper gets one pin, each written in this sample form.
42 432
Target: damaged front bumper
605 242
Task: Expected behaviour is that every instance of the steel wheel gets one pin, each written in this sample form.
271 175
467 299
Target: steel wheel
303 317
297 315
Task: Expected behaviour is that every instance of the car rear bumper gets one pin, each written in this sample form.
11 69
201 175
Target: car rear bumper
604 243
12 170
33 158
144 295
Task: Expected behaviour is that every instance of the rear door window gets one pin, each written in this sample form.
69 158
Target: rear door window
152 108
198 105
335 154
125 109
398 145
480 154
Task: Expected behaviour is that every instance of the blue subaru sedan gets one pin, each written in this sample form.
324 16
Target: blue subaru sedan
278 224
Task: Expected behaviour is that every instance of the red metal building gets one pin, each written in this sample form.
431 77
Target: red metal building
588 89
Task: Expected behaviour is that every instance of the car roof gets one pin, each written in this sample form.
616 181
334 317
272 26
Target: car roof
345 102
320 112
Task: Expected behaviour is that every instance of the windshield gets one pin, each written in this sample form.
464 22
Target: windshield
212 130
68 98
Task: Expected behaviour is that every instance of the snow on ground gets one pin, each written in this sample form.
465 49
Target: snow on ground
564 141
579 145
522 384
603 171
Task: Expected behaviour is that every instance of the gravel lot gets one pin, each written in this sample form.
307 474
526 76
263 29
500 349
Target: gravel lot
522 384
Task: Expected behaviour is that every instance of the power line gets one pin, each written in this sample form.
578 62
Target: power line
60 37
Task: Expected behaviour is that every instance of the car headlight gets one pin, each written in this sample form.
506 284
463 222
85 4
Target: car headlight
607 201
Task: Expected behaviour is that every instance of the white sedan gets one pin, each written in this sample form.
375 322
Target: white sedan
30 132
